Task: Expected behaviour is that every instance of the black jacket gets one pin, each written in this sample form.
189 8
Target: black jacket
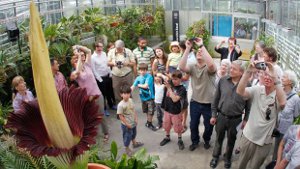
224 53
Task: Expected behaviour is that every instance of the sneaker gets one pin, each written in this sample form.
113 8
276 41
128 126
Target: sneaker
150 126
227 164
214 162
206 145
180 144
164 141
147 124
137 144
193 147
106 113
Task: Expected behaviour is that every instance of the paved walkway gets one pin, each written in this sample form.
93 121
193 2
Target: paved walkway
170 156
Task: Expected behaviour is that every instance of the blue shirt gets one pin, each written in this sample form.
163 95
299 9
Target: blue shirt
145 94
290 111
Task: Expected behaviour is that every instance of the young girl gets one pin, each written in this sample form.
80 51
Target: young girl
174 57
160 61
21 93
159 94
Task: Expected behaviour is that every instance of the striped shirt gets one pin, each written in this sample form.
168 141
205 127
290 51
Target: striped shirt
144 56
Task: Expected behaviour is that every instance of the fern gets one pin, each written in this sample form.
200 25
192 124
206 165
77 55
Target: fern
12 157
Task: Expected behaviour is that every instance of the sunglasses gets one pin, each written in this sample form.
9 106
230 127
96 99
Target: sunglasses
268 112
99 46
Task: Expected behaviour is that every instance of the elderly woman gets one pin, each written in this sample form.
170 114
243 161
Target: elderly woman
20 92
122 62
83 74
223 70
291 110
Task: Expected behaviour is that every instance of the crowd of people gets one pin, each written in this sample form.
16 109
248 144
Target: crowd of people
258 98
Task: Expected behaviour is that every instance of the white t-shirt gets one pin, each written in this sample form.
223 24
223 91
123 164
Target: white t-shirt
258 129
159 93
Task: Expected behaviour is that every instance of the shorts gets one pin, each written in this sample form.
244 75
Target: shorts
174 120
148 107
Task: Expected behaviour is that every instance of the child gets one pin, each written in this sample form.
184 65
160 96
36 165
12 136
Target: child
159 94
174 57
128 119
145 84
20 92
173 104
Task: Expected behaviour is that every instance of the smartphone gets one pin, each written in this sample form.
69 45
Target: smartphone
261 66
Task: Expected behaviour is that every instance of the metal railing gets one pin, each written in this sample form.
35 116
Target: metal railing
287 45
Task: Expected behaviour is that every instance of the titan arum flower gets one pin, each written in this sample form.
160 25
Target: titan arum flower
61 125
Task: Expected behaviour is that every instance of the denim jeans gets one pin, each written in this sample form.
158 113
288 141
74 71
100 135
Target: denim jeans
128 134
196 110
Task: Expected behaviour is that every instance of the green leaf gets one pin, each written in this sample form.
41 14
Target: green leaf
114 150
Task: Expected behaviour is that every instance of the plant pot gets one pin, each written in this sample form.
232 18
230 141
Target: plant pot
97 166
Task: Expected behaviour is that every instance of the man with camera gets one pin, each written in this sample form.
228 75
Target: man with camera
122 61
203 80
227 110
267 101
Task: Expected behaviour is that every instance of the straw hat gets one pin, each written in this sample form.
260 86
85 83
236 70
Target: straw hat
174 43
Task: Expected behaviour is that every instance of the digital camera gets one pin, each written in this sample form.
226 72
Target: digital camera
119 64
261 66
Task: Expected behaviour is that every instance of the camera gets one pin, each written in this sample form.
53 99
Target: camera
192 39
119 64
261 66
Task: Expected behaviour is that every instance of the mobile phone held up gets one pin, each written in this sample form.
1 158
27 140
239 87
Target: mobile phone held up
261 66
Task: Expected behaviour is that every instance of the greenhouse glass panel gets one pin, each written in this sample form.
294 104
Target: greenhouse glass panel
207 5
222 5
69 7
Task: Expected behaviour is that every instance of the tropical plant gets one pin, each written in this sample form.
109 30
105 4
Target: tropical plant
60 127
140 160
59 51
267 40
5 109
12 157
51 33
4 55
198 29
159 22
